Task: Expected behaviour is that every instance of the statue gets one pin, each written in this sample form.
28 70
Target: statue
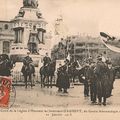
30 3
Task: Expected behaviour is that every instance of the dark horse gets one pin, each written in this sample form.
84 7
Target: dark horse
28 72
47 73
74 72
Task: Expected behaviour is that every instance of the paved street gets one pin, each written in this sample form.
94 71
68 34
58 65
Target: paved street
49 97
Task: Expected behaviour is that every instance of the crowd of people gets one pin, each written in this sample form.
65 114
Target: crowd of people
98 78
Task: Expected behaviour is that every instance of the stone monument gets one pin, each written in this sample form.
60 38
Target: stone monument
29 27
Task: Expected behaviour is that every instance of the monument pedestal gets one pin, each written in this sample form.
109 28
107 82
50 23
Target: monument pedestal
29 27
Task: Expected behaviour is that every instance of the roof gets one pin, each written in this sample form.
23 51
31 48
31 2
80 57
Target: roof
3 21
87 39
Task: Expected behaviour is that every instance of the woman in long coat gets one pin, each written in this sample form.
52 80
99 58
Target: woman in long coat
103 84
63 79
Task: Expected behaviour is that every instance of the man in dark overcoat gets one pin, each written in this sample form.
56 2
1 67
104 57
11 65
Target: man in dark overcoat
111 76
92 82
101 72
86 78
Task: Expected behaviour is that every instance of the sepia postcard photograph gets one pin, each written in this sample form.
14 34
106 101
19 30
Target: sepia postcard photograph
60 59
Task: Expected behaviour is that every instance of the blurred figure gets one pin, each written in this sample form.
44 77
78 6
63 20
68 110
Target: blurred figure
111 76
63 78
103 58
5 65
92 82
86 78
90 59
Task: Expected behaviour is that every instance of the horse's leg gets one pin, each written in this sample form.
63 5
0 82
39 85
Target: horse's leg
25 78
41 80
48 81
51 77
73 78
30 78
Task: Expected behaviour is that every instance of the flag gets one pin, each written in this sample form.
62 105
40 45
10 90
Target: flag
68 57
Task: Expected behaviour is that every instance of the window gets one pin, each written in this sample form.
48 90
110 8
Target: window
80 50
80 44
6 47
0 29
13 48
6 26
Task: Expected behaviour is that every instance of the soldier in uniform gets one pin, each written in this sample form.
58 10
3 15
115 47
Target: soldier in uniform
46 60
26 62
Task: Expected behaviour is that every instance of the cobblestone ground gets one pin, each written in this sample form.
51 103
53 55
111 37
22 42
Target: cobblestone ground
49 97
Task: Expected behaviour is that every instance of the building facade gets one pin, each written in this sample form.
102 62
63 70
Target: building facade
82 47
26 32
6 36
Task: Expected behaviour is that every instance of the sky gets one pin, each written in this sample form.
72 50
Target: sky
80 16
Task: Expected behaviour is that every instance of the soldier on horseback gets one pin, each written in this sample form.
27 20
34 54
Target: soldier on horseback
28 69
27 61
46 60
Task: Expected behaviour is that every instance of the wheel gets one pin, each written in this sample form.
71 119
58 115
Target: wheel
12 96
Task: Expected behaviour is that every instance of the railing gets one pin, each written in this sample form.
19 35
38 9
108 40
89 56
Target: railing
18 78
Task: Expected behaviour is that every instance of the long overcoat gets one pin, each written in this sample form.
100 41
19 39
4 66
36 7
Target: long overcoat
63 78
103 82
111 77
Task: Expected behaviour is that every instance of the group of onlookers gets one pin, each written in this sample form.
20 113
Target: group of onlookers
98 79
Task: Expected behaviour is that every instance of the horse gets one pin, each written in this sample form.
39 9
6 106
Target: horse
75 72
28 72
47 73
